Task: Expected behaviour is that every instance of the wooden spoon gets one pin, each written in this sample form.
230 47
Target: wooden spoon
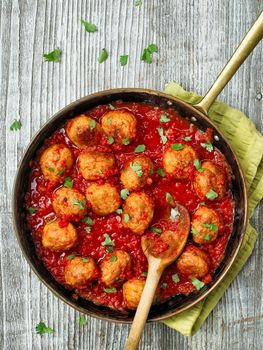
176 241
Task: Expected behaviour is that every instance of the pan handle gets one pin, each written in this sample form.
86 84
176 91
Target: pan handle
250 41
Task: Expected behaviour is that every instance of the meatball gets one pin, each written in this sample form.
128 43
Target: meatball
132 291
55 161
83 131
96 165
104 198
138 173
119 124
194 262
212 181
114 266
58 238
79 271
205 225
69 202
179 163
137 212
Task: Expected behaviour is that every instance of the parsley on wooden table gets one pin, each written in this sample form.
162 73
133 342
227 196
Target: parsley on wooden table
124 60
103 56
82 320
148 52
16 125
53 56
41 328
89 27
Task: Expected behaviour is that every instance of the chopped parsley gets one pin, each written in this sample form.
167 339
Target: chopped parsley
144 274
110 140
126 218
194 231
68 182
51 169
156 230
85 260
126 141
87 220
140 149
187 138
80 204
211 227
92 124
207 237
124 60
52 220
82 320
198 166
16 125
119 211
87 229
161 172
41 328
162 136
53 56
110 290
136 167
211 195
124 193
197 284
164 118
148 52
61 171
175 278
71 256
107 241
109 120
32 210
208 146
103 56
163 285
138 3
113 258
177 146
169 197
89 27
109 249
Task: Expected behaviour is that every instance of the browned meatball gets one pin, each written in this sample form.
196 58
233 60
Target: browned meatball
59 238
55 161
104 198
205 225
132 291
119 124
179 163
194 262
137 173
137 212
69 202
83 131
96 165
80 271
113 267
211 183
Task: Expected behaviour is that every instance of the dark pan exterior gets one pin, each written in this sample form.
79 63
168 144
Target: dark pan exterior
178 303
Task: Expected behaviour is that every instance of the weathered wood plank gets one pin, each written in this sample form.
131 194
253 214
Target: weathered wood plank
195 39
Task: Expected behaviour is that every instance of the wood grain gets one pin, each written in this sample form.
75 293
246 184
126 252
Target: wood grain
195 39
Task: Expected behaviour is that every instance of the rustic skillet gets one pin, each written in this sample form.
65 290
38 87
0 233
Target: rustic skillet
198 115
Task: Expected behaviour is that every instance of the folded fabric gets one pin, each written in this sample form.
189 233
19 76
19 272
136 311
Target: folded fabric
247 143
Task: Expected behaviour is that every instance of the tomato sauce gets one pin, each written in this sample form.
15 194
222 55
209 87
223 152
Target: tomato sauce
177 130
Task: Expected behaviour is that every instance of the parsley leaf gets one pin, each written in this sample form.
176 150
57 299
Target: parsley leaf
82 320
32 210
197 284
156 230
124 60
16 125
108 240
177 146
80 204
212 227
138 3
52 220
168 197
92 124
109 249
61 171
198 166
126 218
51 169
194 231
164 118
110 140
147 53
124 193
85 260
161 172
113 258
71 256
187 138
208 146
110 290
207 237
68 182
87 220
211 195
88 229
140 148
163 138
53 56
41 328
103 56
89 27
152 48
163 285
136 167
109 120
126 141
119 211
175 278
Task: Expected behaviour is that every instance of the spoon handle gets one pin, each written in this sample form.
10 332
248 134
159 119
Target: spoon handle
144 306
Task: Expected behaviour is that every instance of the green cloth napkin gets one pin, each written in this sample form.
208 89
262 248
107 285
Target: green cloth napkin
247 143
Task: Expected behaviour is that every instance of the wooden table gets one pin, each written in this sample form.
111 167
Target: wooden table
195 39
